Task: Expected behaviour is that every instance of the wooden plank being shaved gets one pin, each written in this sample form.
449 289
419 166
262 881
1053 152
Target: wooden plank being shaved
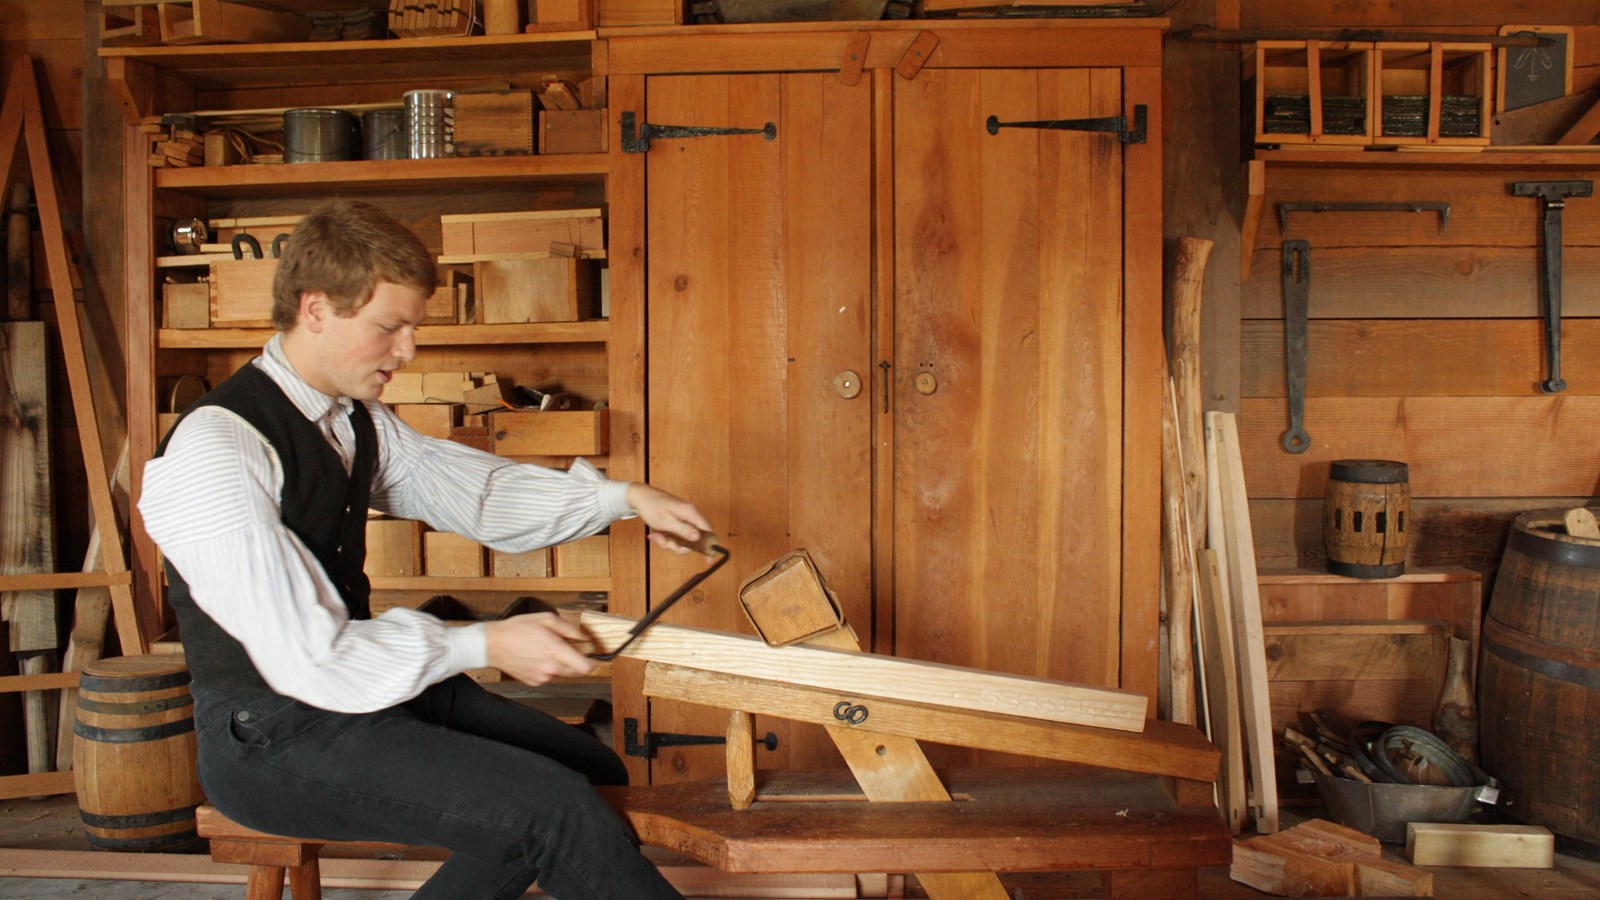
1505 846
1165 748
872 675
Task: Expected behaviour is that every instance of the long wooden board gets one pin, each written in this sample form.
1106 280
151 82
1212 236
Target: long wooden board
1539 445
1165 748
872 675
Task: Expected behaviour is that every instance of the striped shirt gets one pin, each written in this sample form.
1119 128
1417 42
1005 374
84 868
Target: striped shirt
211 502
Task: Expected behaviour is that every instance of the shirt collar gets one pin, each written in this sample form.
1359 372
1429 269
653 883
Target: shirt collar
312 403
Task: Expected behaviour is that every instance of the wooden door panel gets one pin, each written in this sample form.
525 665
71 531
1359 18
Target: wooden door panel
758 280
1007 492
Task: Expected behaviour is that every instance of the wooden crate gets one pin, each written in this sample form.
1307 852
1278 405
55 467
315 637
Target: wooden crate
561 15
494 123
451 555
1312 92
523 432
528 564
638 12
186 305
1447 594
472 237
553 289
217 22
394 548
588 557
572 131
241 293
1443 81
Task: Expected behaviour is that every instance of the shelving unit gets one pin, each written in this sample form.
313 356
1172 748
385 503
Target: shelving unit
581 356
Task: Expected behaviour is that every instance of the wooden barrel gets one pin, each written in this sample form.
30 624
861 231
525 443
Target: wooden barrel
1539 677
134 754
1364 515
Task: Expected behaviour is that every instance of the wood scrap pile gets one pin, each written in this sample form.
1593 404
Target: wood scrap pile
1321 859
190 140
434 18
1380 753
174 145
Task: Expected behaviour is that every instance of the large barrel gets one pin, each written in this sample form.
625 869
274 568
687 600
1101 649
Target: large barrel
1364 517
134 754
1539 677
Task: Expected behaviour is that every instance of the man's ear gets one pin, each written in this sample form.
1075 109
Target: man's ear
315 310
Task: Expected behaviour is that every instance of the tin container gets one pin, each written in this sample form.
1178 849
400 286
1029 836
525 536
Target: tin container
430 123
383 134
320 135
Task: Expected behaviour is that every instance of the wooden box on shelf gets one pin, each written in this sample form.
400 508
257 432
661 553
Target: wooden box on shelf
528 564
561 15
638 12
553 289
588 557
1312 92
572 131
217 22
186 305
494 122
394 548
241 293
1433 93
532 432
471 236
432 419
451 555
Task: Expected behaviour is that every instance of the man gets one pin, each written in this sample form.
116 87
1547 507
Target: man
318 721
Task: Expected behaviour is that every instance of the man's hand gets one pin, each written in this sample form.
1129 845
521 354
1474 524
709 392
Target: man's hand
670 518
536 647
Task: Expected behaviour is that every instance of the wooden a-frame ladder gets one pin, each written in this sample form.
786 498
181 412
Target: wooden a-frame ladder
22 116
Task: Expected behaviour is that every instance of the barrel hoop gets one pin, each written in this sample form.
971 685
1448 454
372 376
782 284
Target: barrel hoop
1363 570
134 709
105 685
175 842
1565 553
139 820
1369 471
1493 632
133 735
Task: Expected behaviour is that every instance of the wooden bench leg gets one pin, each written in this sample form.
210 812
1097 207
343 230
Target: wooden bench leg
305 881
1153 884
266 883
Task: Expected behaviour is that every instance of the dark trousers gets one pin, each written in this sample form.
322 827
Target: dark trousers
505 788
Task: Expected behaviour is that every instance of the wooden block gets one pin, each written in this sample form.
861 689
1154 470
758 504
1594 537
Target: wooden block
536 290
572 131
588 557
526 232
394 548
404 387
528 564
220 151
217 22
241 293
787 600
446 387
186 305
638 12
432 419
1504 846
494 123
549 433
451 555
561 15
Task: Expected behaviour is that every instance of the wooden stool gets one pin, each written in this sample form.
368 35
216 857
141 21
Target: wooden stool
270 856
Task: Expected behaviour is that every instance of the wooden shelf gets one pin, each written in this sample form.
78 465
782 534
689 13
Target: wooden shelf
216 67
453 585
391 174
593 332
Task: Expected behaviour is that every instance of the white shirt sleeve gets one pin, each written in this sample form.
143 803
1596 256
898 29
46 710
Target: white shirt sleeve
211 502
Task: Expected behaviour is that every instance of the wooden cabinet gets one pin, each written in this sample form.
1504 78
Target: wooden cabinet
926 350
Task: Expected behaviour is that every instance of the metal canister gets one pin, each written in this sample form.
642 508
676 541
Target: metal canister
430 123
383 133
320 135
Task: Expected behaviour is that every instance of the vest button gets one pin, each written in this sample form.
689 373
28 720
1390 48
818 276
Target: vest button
242 715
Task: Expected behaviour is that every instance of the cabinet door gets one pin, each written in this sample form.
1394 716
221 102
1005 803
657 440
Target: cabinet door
758 297
1008 308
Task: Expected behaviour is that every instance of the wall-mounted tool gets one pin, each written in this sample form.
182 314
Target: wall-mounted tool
1553 195
1438 206
1296 308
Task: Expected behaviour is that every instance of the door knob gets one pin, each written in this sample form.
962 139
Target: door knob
847 384
926 383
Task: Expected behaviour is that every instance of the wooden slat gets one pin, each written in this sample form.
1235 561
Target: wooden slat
27 508
38 785
1521 846
63 580
1538 445
1477 18
1420 357
1164 748
1354 651
1407 281
1221 672
42 682
876 676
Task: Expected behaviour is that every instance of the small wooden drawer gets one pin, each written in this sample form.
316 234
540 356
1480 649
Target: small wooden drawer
1433 93
451 555
394 548
588 557
1312 92
548 432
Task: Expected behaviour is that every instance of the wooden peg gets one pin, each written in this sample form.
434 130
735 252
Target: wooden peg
916 55
855 57
741 759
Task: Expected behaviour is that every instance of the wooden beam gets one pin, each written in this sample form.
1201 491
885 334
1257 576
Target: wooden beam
1502 846
871 675
42 784
1164 748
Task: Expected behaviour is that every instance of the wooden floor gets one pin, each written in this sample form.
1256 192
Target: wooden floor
52 824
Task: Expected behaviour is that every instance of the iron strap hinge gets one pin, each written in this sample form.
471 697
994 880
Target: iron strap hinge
654 740
640 142
1117 125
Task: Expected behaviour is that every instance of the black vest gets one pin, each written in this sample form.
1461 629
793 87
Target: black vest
324 507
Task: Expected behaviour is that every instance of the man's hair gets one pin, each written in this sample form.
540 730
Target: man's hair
343 248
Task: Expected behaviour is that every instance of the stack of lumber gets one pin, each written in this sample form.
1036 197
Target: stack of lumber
433 18
174 145
1321 859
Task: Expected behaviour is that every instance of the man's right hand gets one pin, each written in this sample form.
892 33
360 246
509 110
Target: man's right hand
536 647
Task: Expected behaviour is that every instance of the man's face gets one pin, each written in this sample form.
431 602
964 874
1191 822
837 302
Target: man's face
356 356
